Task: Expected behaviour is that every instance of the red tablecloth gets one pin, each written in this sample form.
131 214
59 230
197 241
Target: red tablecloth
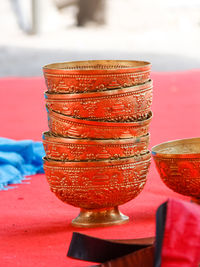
34 225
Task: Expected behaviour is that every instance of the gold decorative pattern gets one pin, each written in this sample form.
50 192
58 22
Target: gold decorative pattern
129 106
98 186
62 125
67 149
182 175
70 83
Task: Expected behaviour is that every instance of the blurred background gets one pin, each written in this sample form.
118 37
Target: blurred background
38 32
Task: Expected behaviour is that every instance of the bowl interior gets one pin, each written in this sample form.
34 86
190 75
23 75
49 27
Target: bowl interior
178 147
98 64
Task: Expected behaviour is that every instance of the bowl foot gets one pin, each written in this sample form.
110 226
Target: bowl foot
99 218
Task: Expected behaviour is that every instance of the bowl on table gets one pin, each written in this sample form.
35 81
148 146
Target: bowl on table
95 75
65 126
127 104
178 163
98 187
68 149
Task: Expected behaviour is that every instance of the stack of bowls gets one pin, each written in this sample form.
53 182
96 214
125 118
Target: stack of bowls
97 148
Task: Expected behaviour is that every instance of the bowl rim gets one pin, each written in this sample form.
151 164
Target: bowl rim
48 137
155 149
97 163
104 66
94 123
106 93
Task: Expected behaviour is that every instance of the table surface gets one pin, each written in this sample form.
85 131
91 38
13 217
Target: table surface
34 225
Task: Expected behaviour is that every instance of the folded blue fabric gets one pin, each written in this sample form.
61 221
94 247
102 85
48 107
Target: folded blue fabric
19 159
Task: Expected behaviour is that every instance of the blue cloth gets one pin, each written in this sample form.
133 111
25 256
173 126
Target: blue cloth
19 159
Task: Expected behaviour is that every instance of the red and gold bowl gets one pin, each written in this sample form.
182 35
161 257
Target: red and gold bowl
127 104
98 187
95 75
65 126
67 149
178 163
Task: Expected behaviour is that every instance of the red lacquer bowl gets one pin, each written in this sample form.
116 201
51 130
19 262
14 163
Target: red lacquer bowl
97 185
127 104
67 149
95 75
178 163
66 126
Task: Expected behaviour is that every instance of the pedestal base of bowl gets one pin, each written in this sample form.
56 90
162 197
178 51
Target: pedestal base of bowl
196 200
99 218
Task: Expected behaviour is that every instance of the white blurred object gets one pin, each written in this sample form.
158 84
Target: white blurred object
181 3
145 15
23 12
37 16
47 16
8 21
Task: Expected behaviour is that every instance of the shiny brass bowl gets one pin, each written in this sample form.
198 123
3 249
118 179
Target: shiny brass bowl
65 126
98 187
127 104
95 75
178 163
68 149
